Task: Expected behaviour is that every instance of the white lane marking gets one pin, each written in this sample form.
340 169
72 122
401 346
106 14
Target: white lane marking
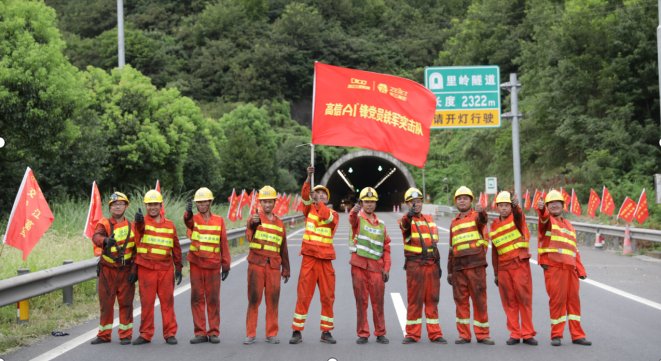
618 291
443 229
400 309
70 345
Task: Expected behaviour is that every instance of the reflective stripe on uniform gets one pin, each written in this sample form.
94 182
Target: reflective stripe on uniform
432 321
464 321
255 245
326 319
414 322
574 317
300 317
556 250
125 327
513 246
268 237
481 324
558 320
158 230
105 327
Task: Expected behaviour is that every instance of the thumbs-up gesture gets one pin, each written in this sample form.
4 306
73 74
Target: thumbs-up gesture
139 217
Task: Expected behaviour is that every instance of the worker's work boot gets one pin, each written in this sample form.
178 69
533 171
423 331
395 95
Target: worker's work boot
214 339
171 340
99 340
272 340
486 341
530 341
125 341
556 342
461 341
512 341
296 337
249 340
382 340
361 340
440 340
198 339
140 341
326 337
408 340
582 342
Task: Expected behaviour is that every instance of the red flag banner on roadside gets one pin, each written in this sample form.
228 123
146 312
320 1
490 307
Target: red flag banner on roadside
526 200
355 108
575 204
254 202
30 216
593 203
567 199
641 213
627 210
94 215
535 198
158 189
301 205
607 203
233 201
239 205
483 200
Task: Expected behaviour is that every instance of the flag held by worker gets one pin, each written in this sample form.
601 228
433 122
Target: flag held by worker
641 213
158 189
567 199
526 200
233 201
593 203
627 210
575 204
356 108
30 216
607 203
536 197
94 215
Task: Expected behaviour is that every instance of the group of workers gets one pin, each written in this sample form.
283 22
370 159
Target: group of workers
148 251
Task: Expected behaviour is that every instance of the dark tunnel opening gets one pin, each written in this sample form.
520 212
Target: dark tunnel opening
355 171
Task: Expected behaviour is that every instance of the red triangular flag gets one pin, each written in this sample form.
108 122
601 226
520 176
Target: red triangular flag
483 200
593 203
254 202
158 188
575 204
494 206
526 200
607 203
641 213
240 204
233 203
301 205
94 215
30 216
627 209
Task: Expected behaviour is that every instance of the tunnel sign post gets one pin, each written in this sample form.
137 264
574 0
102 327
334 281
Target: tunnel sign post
466 96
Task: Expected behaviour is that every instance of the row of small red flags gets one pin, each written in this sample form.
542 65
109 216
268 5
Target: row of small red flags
629 210
281 207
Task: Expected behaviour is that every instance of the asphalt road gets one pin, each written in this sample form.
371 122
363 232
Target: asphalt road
621 314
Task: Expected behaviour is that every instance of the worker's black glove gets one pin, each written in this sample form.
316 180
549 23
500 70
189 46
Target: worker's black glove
189 207
223 275
440 271
495 280
544 267
177 276
286 279
139 218
411 213
109 242
582 277
386 277
133 277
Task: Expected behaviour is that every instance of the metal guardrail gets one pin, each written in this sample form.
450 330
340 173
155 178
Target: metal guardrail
641 234
29 285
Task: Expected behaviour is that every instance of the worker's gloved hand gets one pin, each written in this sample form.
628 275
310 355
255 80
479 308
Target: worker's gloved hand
286 278
495 280
582 277
386 277
450 279
224 275
411 213
139 218
189 206
356 208
440 271
177 276
109 242
133 277
544 267
256 219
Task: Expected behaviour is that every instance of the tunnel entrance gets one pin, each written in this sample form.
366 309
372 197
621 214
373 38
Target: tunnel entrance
367 168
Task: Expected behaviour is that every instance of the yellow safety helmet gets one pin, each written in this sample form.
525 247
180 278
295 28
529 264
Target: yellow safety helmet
118 196
504 197
153 196
554 196
412 193
267 192
369 194
322 188
203 194
463 191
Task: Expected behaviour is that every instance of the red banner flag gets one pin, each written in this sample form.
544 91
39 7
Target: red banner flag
233 204
526 200
641 213
607 203
356 108
94 215
301 205
593 203
627 210
158 189
535 198
30 216
240 204
483 200
567 199
575 204
254 202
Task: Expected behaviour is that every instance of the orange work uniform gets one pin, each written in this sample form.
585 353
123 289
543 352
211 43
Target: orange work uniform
511 264
114 270
209 251
370 259
422 275
559 254
316 267
158 255
467 264
268 260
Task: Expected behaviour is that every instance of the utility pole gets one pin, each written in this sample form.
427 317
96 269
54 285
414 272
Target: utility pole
513 86
120 33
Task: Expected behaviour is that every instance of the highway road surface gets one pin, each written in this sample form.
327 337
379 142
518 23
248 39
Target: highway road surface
621 314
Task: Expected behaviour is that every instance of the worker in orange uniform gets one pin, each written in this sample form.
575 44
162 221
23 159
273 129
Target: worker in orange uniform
467 262
115 236
268 261
561 261
316 266
511 266
208 253
370 265
423 270
158 264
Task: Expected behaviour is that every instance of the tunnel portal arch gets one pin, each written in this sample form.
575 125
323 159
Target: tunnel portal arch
367 168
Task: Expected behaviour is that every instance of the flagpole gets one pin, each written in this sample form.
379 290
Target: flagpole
601 206
312 163
89 211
